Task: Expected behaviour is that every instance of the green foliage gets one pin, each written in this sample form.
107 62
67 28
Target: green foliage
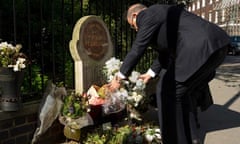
75 105
36 80
69 73
110 136
125 134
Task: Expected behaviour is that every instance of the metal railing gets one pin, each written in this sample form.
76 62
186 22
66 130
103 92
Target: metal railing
44 28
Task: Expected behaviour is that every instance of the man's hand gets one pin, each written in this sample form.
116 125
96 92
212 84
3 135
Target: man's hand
114 84
145 77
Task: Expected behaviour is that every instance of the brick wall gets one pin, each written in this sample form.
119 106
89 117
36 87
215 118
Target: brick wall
19 127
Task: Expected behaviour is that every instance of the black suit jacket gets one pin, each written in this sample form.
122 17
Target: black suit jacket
196 40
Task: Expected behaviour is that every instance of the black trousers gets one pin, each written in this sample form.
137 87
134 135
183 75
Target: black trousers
178 101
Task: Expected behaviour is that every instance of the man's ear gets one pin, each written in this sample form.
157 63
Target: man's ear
134 14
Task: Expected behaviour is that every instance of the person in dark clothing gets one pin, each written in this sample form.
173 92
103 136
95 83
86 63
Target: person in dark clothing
189 51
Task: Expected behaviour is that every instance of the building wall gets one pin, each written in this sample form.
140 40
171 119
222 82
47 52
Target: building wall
227 17
19 127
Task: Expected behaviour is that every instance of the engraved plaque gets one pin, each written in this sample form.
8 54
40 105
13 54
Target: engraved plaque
95 40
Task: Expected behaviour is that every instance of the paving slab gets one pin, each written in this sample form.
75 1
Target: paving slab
220 124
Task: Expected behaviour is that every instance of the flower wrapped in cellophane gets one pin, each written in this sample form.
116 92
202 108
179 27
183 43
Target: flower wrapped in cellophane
131 92
110 102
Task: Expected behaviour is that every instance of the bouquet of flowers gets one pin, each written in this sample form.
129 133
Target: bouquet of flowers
132 91
11 57
75 111
75 105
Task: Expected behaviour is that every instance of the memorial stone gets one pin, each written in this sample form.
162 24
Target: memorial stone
90 48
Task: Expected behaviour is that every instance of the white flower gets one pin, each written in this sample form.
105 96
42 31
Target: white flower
19 65
110 78
21 60
153 133
149 137
132 91
3 44
11 57
6 45
121 93
136 116
140 85
157 130
158 136
22 66
158 133
134 77
111 67
15 68
135 98
124 93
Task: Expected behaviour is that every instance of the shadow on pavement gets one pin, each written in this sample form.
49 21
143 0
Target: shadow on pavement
218 117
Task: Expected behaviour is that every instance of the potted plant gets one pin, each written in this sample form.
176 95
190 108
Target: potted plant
12 64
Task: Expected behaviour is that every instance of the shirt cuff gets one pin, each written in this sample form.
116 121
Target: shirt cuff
122 76
151 73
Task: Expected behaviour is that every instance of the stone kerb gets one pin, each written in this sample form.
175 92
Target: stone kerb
90 47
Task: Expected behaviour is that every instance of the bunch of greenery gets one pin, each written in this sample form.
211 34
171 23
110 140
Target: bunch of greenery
75 105
126 134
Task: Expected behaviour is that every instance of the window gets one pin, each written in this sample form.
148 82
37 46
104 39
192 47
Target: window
210 17
198 4
193 7
203 15
223 15
203 3
210 2
216 17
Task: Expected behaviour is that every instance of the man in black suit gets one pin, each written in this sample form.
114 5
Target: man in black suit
189 51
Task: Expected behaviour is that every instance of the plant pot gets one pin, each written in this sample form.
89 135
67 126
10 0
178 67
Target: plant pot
10 84
70 133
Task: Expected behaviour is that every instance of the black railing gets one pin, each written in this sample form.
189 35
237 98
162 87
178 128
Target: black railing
44 28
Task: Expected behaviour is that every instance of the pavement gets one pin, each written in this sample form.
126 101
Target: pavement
220 124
